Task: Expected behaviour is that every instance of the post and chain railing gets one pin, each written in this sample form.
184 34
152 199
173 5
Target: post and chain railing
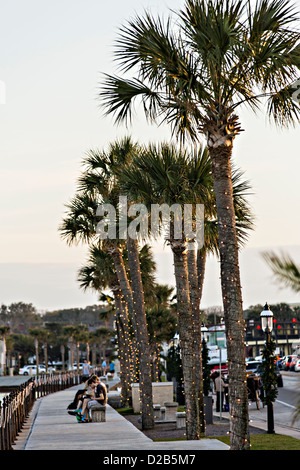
16 406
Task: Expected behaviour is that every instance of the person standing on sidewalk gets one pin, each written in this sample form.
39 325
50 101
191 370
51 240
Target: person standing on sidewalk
219 389
86 370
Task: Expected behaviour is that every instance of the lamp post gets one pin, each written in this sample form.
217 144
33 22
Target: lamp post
266 317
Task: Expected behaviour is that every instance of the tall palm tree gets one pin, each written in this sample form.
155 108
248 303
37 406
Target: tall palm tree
99 184
101 177
163 175
194 75
166 174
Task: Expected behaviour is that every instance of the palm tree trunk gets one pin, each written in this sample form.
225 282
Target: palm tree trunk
36 342
46 356
232 298
123 346
77 354
141 335
94 354
201 264
194 300
186 334
88 351
116 254
71 352
62 351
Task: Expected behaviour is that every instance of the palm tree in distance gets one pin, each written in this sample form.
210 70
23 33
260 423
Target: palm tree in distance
194 75
41 336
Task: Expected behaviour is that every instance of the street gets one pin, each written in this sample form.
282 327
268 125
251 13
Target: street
284 407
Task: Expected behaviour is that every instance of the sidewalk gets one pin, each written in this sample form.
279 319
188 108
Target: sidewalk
50 427
258 419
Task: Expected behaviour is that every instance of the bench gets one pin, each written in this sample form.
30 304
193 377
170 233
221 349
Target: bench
98 413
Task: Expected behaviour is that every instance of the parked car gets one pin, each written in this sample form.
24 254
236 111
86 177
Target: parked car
31 370
75 366
251 367
293 362
297 366
277 372
289 362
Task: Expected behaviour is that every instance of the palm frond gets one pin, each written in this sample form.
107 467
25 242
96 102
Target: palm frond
284 269
99 271
119 94
221 54
80 221
282 107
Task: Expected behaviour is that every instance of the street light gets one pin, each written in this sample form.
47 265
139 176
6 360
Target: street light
266 317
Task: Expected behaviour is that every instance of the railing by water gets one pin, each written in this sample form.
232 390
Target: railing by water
16 406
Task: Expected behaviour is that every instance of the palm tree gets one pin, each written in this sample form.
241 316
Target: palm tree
100 337
57 338
81 335
166 174
70 331
97 185
102 168
194 75
40 335
163 175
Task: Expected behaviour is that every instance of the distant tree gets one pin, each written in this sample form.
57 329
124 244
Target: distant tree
24 346
281 311
20 316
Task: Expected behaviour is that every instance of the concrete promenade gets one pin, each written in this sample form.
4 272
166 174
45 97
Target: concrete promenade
50 427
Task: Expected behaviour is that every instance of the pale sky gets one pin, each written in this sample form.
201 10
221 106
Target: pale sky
52 56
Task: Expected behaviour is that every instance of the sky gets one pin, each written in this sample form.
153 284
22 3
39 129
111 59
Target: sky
52 58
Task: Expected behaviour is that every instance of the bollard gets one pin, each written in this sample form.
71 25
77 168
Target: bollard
181 420
156 410
171 409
